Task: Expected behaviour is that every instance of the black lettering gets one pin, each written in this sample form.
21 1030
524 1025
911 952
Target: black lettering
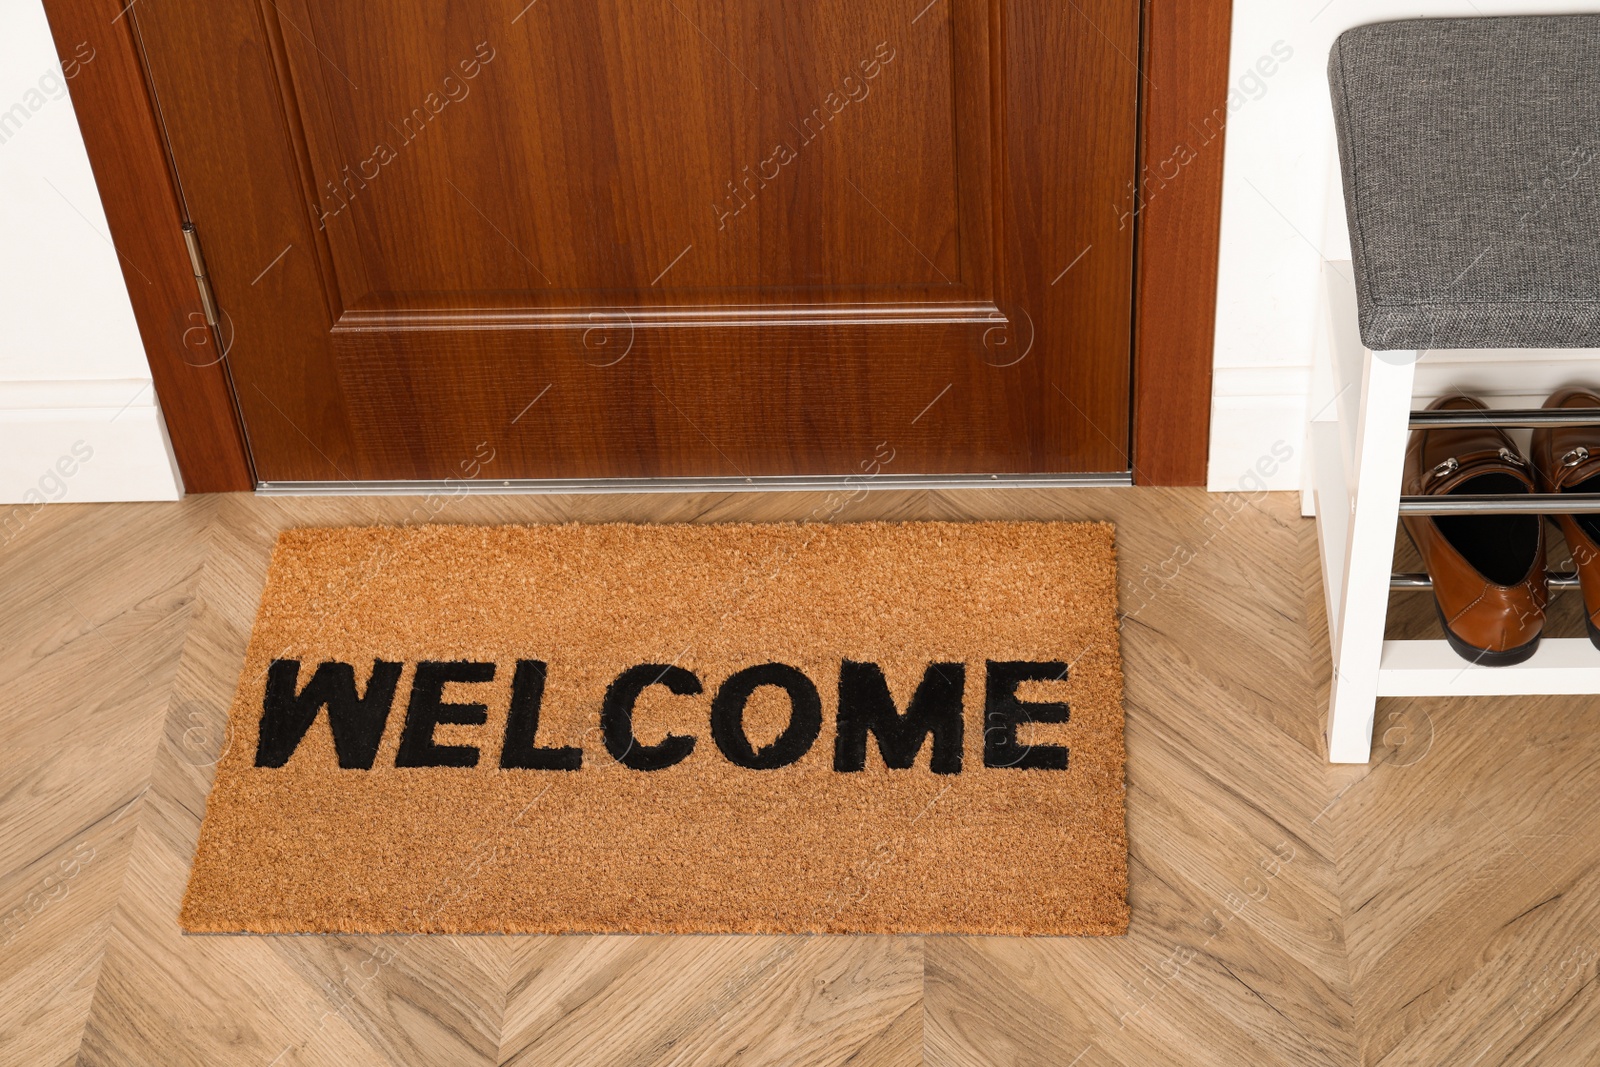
522 725
727 717
426 710
866 706
1003 713
616 717
356 721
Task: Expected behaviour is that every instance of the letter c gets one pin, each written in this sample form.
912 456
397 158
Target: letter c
616 717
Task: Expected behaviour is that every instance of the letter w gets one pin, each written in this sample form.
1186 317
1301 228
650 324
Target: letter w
866 706
356 721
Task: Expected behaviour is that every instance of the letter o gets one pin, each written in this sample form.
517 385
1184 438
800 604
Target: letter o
727 717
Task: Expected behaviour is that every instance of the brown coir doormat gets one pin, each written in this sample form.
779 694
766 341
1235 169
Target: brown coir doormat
886 728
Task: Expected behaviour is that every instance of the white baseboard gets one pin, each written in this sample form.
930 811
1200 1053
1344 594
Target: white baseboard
1256 443
81 442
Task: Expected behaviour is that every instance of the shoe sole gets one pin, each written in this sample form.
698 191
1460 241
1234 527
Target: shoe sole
1484 657
1594 631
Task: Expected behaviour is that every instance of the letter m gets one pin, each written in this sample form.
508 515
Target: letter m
866 706
356 721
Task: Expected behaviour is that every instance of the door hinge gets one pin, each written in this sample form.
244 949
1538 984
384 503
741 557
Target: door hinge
202 280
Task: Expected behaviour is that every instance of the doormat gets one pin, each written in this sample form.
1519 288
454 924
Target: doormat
874 728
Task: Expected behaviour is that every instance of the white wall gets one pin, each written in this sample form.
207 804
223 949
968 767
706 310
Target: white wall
78 416
1283 217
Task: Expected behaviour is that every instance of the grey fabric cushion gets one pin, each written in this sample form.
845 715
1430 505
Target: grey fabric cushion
1471 158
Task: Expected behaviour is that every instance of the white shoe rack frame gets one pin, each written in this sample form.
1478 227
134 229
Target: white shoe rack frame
1361 417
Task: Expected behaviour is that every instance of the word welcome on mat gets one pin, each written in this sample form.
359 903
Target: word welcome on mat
785 728
866 707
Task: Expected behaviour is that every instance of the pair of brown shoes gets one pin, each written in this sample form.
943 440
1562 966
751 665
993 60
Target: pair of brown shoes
1488 571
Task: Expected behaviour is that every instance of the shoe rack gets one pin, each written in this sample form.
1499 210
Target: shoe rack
1361 416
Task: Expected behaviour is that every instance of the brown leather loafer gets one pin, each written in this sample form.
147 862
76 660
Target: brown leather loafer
1567 460
1488 571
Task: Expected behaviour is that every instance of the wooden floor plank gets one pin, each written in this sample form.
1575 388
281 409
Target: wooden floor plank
1438 905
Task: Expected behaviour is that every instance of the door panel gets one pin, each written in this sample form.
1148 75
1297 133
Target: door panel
597 170
662 237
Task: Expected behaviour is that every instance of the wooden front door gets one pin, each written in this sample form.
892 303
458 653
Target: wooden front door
657 238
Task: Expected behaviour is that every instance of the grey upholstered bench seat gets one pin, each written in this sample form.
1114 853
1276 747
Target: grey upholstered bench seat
1471 157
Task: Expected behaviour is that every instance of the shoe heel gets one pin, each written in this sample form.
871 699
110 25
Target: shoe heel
1594 631
1483 657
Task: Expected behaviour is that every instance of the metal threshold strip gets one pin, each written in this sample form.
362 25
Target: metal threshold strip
783 484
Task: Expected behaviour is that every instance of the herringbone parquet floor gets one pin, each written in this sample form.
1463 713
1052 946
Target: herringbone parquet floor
1440 906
